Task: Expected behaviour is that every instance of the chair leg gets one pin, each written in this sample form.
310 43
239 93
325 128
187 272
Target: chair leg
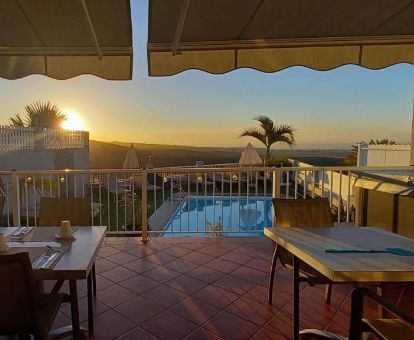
94 279
272 274
328 293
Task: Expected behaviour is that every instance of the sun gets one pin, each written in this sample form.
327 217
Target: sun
73 122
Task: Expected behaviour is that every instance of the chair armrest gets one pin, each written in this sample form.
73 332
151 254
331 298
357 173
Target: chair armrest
388 305
316 334
357 308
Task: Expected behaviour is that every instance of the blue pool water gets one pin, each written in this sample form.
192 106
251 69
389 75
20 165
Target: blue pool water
238 216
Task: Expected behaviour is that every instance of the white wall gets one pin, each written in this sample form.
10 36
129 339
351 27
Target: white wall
44 159
384 155
335 185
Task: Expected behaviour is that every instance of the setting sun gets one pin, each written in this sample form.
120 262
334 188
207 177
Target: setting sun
73 122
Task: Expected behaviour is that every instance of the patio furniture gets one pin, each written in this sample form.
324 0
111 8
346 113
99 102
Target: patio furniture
75 264
24 310
292 213
399 327
309 245
2 199
54 210
76 210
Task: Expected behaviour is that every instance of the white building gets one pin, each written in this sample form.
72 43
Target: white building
384 155
24 148
387 155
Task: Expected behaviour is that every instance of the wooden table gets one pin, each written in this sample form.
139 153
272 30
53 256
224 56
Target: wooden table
308 245
75 264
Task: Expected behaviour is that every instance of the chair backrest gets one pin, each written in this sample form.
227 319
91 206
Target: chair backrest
2 199
55 210
17 294
293 213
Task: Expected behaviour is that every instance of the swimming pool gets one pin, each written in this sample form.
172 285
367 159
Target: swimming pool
237 216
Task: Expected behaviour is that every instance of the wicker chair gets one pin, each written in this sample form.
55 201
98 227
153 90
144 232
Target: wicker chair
24 310
291 213
78 210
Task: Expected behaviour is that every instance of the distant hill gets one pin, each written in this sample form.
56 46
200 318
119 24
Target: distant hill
111 155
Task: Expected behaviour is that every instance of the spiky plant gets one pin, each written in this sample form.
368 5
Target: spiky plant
384 141
270 133
17 120
40 114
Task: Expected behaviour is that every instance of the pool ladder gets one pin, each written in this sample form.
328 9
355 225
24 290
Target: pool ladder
180 190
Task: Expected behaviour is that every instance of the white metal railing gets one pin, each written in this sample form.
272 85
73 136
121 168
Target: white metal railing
182 201
28 138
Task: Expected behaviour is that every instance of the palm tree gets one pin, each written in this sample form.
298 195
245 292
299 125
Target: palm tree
384 141
41 115
351 159
270 133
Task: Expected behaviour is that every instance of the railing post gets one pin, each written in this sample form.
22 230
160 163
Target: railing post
144 207
276 183
359 209
15 199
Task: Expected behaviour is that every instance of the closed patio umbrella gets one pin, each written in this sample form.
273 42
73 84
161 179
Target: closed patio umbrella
219 36
250 156
131 160
63 39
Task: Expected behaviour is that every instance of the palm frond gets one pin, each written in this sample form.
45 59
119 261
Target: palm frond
45 115
17 120
384 141
255 133
266 123
282 133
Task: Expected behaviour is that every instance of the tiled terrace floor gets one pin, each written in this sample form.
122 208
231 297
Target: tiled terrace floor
201 288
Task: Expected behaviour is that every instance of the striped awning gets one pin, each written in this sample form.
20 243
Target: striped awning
63 39
219 36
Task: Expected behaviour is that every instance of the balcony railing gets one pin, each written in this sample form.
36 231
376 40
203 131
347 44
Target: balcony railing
182 201
28 138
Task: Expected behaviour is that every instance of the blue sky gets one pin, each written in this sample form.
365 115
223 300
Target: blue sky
329 109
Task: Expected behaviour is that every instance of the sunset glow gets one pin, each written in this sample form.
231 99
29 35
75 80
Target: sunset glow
73 122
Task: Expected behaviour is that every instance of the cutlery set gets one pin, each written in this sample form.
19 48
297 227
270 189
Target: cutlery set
48 259
20 233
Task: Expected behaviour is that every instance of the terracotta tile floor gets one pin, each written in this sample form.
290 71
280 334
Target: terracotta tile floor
203 288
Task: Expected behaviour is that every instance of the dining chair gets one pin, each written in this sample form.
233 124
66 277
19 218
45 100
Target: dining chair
401 326
54 210
24 310
300 213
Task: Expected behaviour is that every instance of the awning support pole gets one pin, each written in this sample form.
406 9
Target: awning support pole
180 26
412 139
92 29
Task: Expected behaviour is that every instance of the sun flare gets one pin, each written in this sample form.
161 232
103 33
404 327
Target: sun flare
73 122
